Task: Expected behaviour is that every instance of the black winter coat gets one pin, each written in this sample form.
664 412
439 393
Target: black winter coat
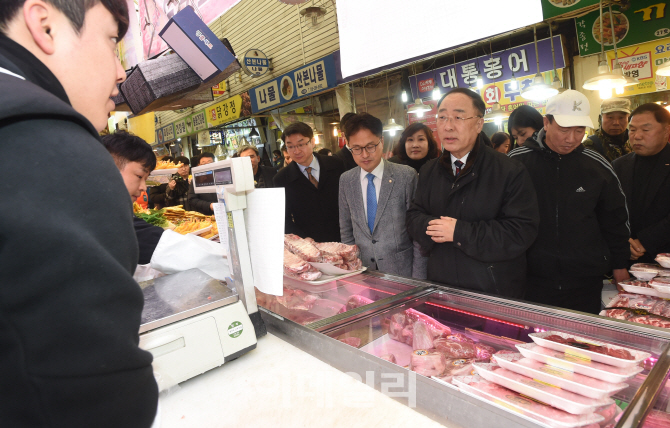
583 217
312 212
268 174
148 236
347 158
496 210
653 229
200 202
69 308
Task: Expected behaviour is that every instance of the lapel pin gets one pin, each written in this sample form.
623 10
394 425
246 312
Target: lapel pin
390 181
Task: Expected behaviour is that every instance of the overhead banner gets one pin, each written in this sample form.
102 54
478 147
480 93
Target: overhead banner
553 8
641 62
225 111
310 79
644 21
496 70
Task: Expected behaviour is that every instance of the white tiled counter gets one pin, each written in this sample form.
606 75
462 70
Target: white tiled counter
278 385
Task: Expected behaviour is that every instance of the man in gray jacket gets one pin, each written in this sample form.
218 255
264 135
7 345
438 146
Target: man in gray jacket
373 200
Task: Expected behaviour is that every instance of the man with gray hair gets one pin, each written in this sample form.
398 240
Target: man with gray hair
611 140
263 175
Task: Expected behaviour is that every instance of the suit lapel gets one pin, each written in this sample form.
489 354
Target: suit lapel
658 177
388 181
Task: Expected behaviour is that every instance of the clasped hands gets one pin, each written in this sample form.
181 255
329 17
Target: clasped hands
637 250
442 229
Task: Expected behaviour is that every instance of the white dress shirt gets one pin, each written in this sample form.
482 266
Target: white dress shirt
464 159
378 172
315 168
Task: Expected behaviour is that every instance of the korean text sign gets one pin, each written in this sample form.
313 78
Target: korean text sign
641 62
224 111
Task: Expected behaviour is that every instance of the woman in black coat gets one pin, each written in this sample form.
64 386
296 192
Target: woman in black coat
416 146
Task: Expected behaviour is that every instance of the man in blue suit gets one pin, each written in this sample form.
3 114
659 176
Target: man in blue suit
374 198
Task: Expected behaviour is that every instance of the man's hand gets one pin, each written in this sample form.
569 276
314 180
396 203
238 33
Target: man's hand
637 250
442 229
620 275
171 184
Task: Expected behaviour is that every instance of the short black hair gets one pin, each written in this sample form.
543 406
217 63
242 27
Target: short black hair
550 118
167 158
525 116
125 147
477 100
433 150
661 114
74 10
206 155
325 152
363 121
499 138
182 159
276 152
343 120
284 149
297 128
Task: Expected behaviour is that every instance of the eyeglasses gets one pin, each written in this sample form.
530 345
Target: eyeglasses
297 147
370 148
457 119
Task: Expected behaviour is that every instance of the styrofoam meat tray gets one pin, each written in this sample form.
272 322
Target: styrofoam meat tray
661 270
644 274
662 285
326 279
663 259
525 407
638 356
556 397
573 382
643 290
568 362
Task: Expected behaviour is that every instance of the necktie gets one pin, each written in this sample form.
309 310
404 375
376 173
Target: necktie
458 165
311 177
372 202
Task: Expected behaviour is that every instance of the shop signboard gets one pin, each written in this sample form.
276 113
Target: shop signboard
255 63
308 80
497 71
553 8
198 121
180 128
641 62
219 89
224 111
643 21
168 132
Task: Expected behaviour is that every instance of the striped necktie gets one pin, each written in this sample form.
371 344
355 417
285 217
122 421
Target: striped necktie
311 177
458 165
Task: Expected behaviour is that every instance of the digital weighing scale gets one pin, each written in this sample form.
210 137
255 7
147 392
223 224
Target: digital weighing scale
191 322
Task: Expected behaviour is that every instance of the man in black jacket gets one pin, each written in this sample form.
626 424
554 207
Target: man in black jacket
263 175
645 178
312 185
474 209
583 219
202 202
176 190
344 154
69 308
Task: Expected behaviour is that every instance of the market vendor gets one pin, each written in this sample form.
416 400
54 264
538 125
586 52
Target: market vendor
202 202
135 160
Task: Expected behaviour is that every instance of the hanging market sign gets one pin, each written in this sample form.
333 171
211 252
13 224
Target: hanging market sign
641 62
165 134
305 81
497 71
644 21
219 89
255 63
553 8
225 111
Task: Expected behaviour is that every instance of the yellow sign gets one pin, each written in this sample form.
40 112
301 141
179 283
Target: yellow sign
224 111
641 61
219 89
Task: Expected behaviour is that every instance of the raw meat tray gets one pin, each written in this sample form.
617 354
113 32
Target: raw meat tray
563 400
567 362
585 354
385 345
325 279
570 381
513 401
643 290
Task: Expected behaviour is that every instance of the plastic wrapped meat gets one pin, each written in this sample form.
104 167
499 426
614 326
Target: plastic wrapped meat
657 419
484 352
636 283
399 333
389 358
458 367
356 301
452 349
338 249
297 299
438 329
458 337
605 350
653 305
608 412
661 270
401 327
302 248
423 338
351 341
427 362
326 308
663 259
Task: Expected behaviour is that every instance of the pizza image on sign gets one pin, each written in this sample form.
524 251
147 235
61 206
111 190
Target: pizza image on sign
621 26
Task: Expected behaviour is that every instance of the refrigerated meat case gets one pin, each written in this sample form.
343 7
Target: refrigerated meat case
354 340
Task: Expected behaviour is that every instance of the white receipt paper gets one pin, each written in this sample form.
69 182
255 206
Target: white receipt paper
264 218
222 225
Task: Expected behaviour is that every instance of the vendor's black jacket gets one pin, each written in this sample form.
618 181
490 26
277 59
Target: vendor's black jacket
650 219
148 236
200 202
265 176
583 218
497 218
344 154
69 307
312 212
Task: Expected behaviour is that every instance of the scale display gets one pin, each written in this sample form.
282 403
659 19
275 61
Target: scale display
222 176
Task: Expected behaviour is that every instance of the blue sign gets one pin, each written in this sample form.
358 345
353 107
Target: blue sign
310 79
255 63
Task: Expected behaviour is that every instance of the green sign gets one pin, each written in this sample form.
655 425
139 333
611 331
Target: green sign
644 21
235 329
552 8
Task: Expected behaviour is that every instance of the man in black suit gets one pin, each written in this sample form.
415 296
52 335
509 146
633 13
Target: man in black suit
263 175
312 184
645 178
344 154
